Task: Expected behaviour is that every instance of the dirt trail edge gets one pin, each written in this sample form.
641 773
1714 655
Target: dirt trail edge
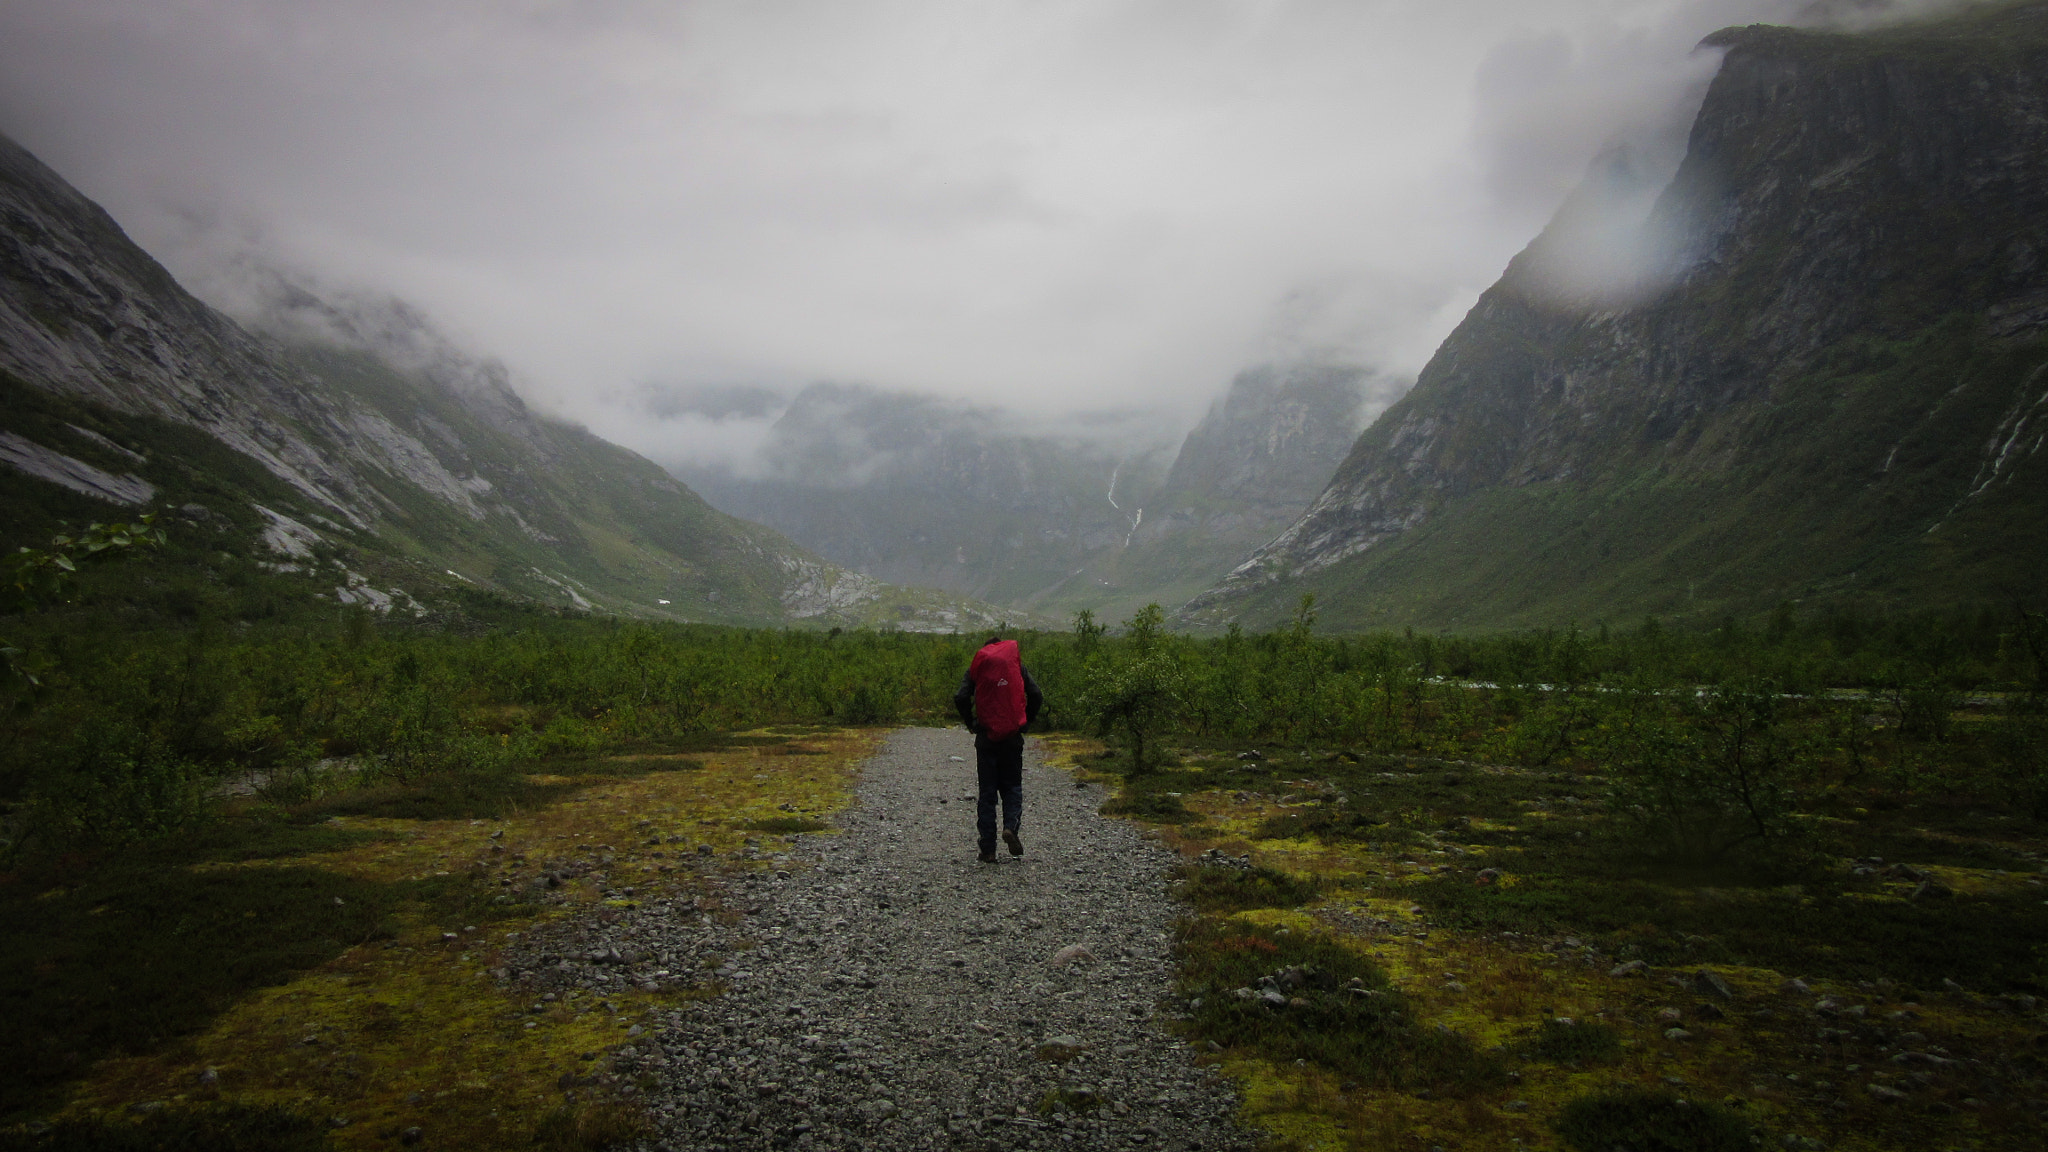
904 995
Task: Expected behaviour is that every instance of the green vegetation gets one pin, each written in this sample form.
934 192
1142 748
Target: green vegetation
209 1129
1681 798
1337 1010
1574 1042
1651 1122
1212 888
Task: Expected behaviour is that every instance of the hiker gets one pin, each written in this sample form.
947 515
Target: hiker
998 701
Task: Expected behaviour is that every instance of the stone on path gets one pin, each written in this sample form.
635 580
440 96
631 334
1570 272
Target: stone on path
897 989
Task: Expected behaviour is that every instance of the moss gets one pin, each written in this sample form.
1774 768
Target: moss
1220 888
1339 1012
399 1022
1496 963
1651 1122
786 825
1566 1041
181 1129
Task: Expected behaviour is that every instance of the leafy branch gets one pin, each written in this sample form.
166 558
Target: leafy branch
37 578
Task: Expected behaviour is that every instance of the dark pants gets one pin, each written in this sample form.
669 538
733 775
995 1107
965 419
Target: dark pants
999 769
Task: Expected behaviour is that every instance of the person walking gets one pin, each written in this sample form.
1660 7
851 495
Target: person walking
997 701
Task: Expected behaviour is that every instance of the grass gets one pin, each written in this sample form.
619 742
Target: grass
1489 901
1221 888
786 825
1151 807
1650 1121
207 1129
1340 1015
125 977
1565 1041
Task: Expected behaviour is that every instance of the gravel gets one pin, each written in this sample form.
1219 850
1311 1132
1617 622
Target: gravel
901 994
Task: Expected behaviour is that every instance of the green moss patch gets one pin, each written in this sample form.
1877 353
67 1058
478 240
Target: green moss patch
206 1129
1221 888
1648 1121
1573 1042
1151 807
786 825
1334 1009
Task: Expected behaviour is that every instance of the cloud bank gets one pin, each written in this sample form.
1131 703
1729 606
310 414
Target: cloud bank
1048 207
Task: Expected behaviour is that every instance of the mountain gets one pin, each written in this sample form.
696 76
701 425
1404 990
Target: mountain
1816 371
362 453
919 490
912 489
1261 454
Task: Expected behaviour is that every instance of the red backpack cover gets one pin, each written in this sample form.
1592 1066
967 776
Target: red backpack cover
998 675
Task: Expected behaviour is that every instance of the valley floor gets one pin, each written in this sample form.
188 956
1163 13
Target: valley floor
783 940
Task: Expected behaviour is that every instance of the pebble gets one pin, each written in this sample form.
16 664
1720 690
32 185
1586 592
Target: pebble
900 994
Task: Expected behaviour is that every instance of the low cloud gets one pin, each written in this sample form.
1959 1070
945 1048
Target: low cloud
1043 208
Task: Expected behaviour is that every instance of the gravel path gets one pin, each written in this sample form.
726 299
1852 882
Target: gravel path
904 995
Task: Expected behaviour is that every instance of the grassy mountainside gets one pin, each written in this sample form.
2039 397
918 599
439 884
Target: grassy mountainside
353 448
1840 391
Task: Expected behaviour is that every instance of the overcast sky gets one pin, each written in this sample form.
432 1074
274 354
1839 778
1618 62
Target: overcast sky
1055 205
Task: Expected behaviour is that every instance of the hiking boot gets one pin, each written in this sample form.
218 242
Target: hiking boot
988 857
1016 845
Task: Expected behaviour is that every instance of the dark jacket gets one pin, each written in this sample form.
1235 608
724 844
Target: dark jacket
963 702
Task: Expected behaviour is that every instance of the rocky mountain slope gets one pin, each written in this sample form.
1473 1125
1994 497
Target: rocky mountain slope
1261 454
1823 375
353 446
912 489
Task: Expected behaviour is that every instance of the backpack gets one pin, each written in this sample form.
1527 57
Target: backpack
998 676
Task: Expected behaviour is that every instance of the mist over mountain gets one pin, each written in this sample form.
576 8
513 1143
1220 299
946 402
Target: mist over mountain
351 444
913 489
1812 370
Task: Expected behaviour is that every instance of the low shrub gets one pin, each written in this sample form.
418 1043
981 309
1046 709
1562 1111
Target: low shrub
1646 1121
1223 888
1334 822
1153 807
1587 1042
1340 1011
208 1129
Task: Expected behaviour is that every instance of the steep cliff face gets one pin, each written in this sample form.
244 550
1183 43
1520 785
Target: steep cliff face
354 444
1265 449
1260 455
1819 373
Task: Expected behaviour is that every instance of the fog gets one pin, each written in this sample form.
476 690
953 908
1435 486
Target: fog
1065 209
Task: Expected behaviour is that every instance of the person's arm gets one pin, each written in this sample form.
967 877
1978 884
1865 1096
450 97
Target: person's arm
963 701
1033 698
